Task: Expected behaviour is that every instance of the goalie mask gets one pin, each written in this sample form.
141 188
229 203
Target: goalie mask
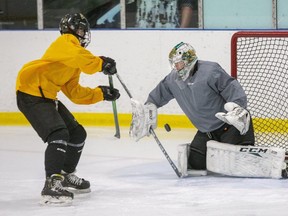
77 25
183 58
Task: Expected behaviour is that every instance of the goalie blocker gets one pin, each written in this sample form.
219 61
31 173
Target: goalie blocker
144 117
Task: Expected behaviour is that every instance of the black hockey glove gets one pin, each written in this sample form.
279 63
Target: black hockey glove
108 66
108 94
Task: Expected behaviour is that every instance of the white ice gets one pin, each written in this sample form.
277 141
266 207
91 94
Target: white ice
129 179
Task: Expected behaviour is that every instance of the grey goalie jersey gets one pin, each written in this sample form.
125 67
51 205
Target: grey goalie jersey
200 96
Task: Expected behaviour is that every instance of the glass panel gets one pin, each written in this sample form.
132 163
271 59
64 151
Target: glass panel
16 14
282 10
218 14
100 13
162 14
233 14
139 13
108 16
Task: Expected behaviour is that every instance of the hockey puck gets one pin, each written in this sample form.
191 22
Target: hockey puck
167 127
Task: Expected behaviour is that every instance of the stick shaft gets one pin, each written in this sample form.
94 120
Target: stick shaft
123 84
114 107
165 153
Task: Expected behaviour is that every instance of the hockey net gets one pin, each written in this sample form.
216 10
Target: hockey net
259 61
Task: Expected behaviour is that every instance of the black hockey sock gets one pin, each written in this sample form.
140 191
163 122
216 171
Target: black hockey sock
54 158
74 148
73 155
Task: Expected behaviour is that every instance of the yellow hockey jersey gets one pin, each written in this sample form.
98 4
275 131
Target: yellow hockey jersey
59 70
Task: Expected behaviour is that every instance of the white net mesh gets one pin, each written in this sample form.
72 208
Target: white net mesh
259 61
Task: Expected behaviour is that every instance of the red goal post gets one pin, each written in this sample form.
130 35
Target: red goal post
259 61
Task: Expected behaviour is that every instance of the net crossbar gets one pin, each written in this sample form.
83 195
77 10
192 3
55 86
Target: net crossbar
259 61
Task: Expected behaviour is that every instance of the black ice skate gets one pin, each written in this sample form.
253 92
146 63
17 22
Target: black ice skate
74 183
54 193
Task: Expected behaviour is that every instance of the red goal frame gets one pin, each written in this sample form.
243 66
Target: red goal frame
250 34
268 105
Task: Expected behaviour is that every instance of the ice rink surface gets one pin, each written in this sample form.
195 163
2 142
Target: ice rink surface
129 178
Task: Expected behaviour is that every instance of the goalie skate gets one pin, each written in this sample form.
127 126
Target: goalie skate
53 192
183 154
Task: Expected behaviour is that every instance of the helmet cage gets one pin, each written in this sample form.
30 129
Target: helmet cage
185 53
77 25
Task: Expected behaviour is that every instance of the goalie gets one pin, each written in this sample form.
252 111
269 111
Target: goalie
216 104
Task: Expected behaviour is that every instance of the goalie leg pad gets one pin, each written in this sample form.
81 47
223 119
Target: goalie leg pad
183 154
245 161
183 151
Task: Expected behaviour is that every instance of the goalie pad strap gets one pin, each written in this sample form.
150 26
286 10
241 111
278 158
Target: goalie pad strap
245 161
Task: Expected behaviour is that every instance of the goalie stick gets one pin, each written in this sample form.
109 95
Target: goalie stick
178 173
117 128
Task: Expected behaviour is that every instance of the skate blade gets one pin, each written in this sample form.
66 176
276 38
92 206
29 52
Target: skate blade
55 201
78 191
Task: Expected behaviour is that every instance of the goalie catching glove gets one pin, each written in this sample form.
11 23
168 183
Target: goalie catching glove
236 116
144 117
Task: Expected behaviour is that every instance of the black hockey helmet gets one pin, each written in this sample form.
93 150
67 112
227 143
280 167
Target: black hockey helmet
78 25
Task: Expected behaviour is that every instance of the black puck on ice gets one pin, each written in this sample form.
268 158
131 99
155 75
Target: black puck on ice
167 127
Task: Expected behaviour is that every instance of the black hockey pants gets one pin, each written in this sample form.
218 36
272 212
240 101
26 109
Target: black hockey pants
55 124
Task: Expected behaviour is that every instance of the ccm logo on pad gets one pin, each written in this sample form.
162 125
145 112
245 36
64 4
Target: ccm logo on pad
253 150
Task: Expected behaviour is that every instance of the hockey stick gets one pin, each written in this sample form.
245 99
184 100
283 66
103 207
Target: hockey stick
124 86
153 134
117 134
174 167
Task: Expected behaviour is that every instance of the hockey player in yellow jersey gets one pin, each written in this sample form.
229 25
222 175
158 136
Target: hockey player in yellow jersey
37 85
